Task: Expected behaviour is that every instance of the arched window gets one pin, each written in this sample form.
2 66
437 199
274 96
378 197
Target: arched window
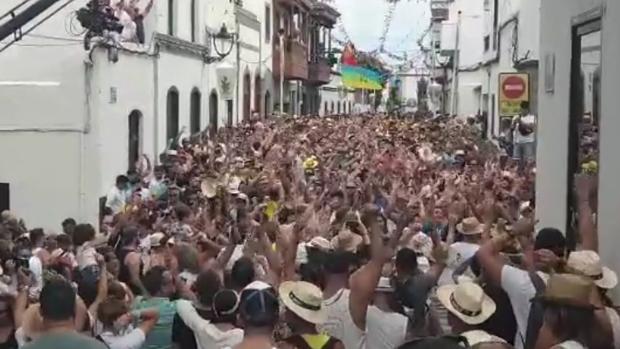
332 108
258 95
135 143
171 17
194 118
194 20
213 117
172 114
326 108
350 110
338 107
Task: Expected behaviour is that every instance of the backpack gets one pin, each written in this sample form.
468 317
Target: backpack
535 317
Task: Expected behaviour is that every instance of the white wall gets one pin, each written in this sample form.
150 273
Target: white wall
551 187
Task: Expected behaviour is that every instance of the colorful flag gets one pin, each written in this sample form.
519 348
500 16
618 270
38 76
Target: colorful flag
357 77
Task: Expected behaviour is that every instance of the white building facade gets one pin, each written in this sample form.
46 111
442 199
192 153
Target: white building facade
334 98
578 106
494 37
73 120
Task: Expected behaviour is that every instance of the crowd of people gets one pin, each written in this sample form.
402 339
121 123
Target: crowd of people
336 232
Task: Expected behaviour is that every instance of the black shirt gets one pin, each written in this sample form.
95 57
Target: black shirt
182 335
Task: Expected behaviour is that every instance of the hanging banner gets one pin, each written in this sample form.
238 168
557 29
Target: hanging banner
360 78
513 89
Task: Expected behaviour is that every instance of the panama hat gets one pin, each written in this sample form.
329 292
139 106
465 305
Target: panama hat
347 241
304 300
467 301
588 263
209 187
476 337
568 289
156 239
470 226
320 243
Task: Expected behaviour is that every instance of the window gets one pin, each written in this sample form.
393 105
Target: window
326 109
171 19
338 107
172 114
267 23
194 20
487 43
585 108
194 122
229 112
332 108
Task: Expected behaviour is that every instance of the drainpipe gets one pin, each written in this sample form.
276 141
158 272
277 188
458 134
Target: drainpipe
238 63
455 73
156 106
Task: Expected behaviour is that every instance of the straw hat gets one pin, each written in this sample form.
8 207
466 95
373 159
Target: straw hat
209 187
320 243
588 263
156 239
346 241
568 289
467 301
304 299
476 337
233 185
470 226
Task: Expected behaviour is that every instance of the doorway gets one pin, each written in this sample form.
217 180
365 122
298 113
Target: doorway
585 106
268 106
134 140
229 112
213 118
258 95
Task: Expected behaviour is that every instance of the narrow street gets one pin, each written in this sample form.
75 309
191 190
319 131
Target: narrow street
309 174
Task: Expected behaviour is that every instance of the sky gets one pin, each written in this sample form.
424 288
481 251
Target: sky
363 20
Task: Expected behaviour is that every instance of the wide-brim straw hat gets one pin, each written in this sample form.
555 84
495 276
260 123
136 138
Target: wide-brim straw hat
568 290
304 300
467 301
588 263
470 226
346 241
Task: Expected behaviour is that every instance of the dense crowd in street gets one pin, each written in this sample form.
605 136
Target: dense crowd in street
336 232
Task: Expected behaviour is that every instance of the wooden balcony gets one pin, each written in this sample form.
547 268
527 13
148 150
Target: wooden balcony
295 61
319 72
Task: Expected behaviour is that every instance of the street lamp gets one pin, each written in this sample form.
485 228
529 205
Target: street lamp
223 43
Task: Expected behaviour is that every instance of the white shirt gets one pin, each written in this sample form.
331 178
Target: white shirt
385 330
133 339
116 200
86 255
36 267
519 288
339 322
129 26
208 336
527 120
458 253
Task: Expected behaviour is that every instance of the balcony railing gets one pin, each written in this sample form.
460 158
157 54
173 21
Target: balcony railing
295 60
319 71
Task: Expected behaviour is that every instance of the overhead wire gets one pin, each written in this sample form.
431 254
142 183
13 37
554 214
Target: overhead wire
35 26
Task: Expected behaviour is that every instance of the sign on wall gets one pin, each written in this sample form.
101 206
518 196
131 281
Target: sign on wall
513 89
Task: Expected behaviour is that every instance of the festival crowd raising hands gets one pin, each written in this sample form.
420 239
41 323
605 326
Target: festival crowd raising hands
340 232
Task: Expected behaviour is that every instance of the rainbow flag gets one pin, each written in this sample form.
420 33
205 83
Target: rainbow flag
360 78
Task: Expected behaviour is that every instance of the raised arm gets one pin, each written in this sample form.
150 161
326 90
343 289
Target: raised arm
587 229
364 281
102 286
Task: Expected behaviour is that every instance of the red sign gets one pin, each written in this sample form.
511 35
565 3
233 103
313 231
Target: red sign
514 87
